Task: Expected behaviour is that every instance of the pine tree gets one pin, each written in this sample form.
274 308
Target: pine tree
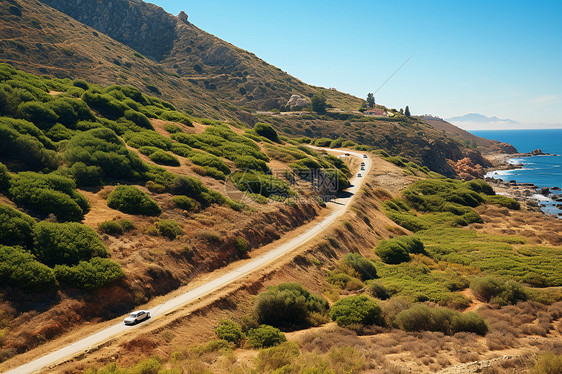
371 100
318 104
407 111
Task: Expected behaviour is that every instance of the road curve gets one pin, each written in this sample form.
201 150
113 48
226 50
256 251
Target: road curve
339 206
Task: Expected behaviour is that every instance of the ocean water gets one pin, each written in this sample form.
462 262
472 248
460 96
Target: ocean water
544 171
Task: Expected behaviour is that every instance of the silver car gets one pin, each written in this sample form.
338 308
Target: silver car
136 317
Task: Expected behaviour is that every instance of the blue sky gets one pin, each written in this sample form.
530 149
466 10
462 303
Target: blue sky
497 58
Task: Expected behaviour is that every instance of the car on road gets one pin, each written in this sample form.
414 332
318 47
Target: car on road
364 156
359 175
136 317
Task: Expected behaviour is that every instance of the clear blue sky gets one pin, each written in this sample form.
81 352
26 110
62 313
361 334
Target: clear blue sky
498 58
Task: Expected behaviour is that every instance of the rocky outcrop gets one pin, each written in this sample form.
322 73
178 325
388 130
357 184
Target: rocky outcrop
466 169
298 101
505 148
537 152
183 17
144 27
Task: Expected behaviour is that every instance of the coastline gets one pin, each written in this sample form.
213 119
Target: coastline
530 196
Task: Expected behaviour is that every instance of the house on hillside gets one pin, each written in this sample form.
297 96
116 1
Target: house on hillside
375 112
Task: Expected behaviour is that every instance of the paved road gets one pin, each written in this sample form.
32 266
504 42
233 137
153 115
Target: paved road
339 206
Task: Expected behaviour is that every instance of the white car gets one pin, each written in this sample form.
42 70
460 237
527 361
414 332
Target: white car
136 317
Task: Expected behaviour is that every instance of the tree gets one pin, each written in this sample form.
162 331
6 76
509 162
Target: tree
371 100
318 104
407 111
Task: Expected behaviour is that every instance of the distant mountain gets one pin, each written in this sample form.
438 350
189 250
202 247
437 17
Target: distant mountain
476 121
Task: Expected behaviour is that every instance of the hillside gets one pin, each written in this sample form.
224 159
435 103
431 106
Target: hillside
482 144
109 197
195 71
230 73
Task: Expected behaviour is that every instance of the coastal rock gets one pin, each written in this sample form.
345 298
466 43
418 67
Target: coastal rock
513 181
506 148
555 188
545 191
557 197
297 101
537 152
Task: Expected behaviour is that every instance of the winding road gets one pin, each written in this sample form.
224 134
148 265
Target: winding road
338 206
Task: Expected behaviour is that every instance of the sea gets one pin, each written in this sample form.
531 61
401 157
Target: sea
543 171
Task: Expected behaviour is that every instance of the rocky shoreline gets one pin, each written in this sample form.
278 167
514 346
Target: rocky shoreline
527 194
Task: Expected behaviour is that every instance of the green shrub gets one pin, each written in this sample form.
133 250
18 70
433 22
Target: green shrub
4 178
378 290
138 119
21 269
392 252
469 322
397 250
288 304
164 158
126 225
169 228
202 159
186 203
229 331
147 139
430 195
251 163
504 201
131 200
48 194
23 142
241 244
496 290
110 228
265 130
171 128
81 84
107 105
480 186
102 147
421 317
90 275
344 281
66 243
175 116
257 183
365 268
85 175
265 336
548 363
281 359
16 228
40 114
358 309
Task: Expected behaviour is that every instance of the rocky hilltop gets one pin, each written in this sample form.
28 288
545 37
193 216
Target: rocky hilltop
206 61
142 26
